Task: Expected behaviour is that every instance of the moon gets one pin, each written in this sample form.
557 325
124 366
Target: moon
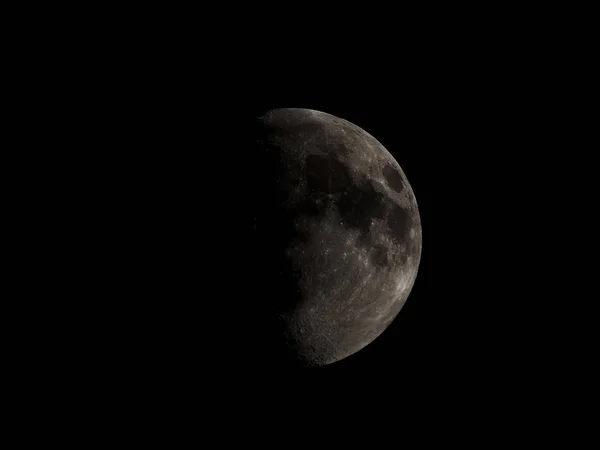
338 220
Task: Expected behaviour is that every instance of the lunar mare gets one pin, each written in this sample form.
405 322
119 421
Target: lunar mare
356 240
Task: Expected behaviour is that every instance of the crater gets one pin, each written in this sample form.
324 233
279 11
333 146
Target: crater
393 178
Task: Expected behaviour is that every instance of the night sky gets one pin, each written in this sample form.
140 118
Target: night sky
172 174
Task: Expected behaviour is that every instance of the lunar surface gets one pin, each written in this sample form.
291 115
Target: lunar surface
339 227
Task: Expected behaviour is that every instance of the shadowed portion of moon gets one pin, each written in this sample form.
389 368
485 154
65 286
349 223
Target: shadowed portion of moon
336 236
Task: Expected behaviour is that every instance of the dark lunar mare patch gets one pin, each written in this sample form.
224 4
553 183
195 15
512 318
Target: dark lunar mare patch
294 130
360 204
393 178
326 175
340 148
400 222
380 256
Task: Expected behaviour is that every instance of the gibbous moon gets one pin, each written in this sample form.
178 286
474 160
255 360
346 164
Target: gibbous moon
340 221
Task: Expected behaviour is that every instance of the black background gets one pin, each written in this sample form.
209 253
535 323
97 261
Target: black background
156 192
170 212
